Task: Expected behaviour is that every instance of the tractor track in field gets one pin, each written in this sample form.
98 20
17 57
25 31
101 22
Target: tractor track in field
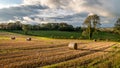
28 52
69 57
90 52
50 53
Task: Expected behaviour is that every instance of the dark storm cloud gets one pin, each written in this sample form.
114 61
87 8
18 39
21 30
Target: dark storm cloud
19 11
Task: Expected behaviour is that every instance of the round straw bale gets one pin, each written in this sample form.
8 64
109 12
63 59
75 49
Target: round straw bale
95 40
73 46
13 38
29 39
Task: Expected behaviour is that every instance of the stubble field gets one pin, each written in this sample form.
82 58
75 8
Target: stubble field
54 53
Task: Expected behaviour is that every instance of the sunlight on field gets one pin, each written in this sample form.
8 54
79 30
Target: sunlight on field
4 38
54 53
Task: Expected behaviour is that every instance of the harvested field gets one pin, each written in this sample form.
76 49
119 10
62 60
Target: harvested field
46 53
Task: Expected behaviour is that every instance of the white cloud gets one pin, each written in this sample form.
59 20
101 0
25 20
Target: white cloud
101 7
30 20
8 6
27 19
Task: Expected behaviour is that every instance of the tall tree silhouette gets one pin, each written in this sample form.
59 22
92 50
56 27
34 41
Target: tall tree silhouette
117 26
92 22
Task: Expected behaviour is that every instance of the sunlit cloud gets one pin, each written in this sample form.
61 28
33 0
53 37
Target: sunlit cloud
101 7
70 11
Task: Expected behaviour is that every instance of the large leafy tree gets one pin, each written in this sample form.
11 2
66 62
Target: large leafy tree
91 22
117 26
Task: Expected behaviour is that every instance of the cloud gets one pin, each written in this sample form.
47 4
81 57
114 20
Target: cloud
70 11
101 7
27 19
19 11
49 3
31 20
7 6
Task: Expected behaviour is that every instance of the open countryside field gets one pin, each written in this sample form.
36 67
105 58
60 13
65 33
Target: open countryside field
54 53
59 34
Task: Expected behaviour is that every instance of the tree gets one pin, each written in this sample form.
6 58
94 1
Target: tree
117 26
92 22
78 29
14 25
65 27
18 25
3 26
25 28
57 26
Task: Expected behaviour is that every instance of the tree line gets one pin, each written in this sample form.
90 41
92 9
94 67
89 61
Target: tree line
45 26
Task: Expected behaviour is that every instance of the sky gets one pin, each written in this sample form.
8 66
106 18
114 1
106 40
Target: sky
70 11
10 1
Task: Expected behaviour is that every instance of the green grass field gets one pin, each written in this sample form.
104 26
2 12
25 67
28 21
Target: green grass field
72 35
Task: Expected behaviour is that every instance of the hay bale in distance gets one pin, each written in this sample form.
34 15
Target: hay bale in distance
95 40
29 39
73 46
13 38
